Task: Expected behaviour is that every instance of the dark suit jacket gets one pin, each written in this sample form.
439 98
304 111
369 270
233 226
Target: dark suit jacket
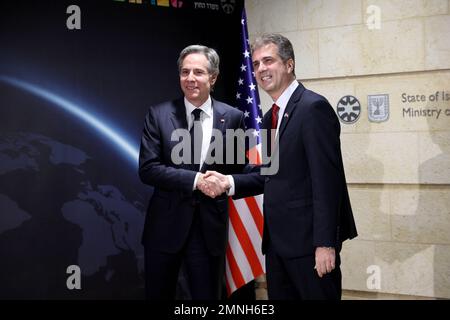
306 202
170 211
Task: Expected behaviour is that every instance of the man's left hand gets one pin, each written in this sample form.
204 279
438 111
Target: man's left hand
325 260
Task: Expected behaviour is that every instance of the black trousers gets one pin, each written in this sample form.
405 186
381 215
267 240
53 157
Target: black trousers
204 272
296 278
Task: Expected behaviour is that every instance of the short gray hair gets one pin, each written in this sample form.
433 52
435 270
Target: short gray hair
285 49
210 54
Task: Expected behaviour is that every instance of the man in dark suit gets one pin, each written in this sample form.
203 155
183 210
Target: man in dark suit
307 212
183 226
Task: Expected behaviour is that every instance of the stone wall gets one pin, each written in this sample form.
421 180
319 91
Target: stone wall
398 170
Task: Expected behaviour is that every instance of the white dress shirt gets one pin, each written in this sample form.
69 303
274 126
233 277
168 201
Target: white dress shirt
281 102
206 119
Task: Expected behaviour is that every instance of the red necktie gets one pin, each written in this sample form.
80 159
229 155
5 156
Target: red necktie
275 109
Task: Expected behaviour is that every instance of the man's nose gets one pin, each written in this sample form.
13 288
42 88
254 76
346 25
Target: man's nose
190 76
261 67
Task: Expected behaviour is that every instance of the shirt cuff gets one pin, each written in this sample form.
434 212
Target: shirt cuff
231 191
194 187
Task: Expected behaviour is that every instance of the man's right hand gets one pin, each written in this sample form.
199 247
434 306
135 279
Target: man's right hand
213 184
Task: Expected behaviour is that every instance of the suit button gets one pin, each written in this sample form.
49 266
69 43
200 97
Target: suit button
267 179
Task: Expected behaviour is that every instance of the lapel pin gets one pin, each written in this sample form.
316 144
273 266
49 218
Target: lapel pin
286 115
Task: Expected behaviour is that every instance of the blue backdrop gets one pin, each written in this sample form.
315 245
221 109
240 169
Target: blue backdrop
72 105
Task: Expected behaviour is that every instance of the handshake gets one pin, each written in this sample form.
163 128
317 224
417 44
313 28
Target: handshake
213 183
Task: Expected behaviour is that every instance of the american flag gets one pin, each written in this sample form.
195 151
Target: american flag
244 259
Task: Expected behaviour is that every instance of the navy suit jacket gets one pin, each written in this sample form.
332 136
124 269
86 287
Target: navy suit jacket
306 203
171 208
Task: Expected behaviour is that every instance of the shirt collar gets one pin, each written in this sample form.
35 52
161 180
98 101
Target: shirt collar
283 100
206 107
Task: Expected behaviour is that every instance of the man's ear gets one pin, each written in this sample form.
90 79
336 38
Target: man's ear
213 79
290 65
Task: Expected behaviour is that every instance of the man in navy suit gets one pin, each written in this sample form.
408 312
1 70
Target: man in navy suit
307 211
183 226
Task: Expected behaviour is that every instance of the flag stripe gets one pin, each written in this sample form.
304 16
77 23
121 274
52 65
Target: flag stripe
234 270
259 201
256 213
250 226
228 279
245 241
239 255
254 155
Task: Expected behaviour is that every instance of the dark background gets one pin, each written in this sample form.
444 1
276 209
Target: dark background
121 61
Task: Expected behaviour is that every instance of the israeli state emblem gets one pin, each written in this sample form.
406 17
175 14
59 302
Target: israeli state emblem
348 109
378 107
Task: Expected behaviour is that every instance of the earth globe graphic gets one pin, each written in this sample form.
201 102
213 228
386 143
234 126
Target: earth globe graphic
53 215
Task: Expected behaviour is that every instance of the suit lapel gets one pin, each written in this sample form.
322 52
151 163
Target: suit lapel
219 116
179 115
267 120
290 108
